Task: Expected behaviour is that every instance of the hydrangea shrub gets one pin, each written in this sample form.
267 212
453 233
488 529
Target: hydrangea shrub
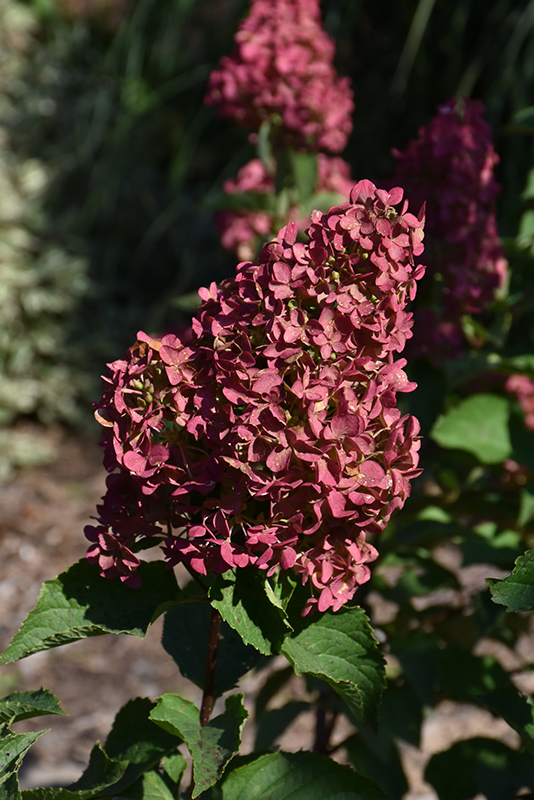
269 434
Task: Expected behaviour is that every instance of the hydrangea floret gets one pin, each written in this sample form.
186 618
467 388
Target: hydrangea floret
269 435
242 230
281 72
450 165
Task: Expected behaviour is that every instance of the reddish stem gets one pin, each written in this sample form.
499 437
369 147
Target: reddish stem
211 661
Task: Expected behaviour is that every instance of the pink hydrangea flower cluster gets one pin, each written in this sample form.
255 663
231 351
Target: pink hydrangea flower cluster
282 71
269 434
522 387
241 231
450 165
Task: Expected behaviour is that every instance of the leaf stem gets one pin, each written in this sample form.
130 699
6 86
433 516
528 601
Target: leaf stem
211 660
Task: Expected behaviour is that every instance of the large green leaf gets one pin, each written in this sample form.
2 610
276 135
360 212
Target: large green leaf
185 638
211 746
139 741
298 776
9 790
101 774
376 756
479 425
24 705
79 603
340 648
13 748
516 591
249 607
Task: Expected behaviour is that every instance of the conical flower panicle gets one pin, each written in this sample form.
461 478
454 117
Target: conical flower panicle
269 435
282 72
450 165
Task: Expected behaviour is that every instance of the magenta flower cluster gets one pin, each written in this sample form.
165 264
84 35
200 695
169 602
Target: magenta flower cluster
450 165
522 388
269 434
281 71
242 230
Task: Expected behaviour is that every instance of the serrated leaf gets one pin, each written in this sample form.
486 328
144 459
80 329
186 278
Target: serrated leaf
155 788
298 776
211 746
25 705
9 790
101 773
185 638
79 604
13 748
136 739
174 767
340 648
516 591
478 425
242 600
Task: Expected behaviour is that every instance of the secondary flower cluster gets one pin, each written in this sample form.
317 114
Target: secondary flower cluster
450 166
522 387
241 230
281 71
269 434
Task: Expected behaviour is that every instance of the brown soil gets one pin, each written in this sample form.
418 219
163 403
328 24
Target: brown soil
42 515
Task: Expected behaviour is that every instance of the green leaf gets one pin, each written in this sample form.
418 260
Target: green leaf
211 746
516 591
153 787
375 756
479 766
79 603
321 201
305 174
13 748
298 776
340 648
515 708
241 597
134 738
478 425
273 723
174 767
185 638
9 790
101 773
24 705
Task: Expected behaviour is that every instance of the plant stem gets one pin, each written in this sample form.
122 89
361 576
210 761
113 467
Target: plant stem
324 725
211 660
